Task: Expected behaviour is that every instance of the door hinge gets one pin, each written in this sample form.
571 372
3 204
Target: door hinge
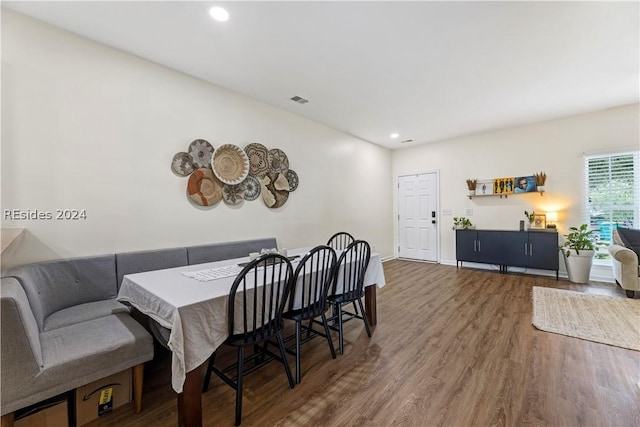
398 250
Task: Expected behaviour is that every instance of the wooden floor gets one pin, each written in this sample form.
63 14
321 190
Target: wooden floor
451 348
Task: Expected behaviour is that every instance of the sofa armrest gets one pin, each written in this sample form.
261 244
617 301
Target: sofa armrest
625 267
21 350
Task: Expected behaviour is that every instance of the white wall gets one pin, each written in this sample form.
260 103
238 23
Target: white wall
555 147
88 127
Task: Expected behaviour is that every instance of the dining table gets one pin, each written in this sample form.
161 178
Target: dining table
191 301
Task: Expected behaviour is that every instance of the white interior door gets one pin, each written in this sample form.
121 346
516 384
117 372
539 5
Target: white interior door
418 217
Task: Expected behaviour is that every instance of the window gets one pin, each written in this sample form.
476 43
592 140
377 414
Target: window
613 193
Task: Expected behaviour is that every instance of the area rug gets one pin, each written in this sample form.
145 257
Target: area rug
599 318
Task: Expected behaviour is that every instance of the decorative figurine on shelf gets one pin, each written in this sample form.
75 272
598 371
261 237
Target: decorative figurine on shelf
540 178
471 185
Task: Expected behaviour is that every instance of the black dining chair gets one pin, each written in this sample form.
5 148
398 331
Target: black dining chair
348 287
308 299
256 302
341 240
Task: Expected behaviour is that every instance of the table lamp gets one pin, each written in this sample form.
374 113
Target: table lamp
552 218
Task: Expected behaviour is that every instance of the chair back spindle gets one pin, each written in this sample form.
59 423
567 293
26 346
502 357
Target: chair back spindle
311 282
350 270
340 240
257 300
308 301
348 286
258 297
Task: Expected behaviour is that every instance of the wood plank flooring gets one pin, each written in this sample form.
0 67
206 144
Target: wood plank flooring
453 347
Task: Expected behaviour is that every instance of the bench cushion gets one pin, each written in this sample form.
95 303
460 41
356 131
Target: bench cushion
78 354
83 312
55 285
229 250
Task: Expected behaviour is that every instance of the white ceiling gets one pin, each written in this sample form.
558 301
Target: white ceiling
427 70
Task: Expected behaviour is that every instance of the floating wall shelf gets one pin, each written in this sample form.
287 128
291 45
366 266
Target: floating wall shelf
513 185
506 195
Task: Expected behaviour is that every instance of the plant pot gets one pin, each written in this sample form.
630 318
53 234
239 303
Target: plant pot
471 227
578 265
540 187
472 192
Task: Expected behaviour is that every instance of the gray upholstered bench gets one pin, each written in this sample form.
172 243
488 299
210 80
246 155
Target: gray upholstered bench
62 328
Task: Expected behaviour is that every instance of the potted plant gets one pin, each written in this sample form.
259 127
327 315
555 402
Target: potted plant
578 251
461 223
471 185
540 178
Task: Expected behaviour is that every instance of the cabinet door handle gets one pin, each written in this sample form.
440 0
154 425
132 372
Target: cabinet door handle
474 245
530 249
525 248
479 250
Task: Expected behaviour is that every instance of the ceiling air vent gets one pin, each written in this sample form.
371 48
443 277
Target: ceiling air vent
299 100
406 141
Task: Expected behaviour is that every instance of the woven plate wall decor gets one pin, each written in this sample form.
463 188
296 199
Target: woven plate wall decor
200 151
230 164
182 164
235 175
278 161
258 159
233 195
271 196
251 188
293 179
204 188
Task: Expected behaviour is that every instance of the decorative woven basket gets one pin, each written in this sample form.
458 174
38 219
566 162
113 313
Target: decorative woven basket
204 188
230 164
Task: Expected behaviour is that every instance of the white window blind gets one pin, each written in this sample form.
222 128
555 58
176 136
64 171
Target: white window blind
613 192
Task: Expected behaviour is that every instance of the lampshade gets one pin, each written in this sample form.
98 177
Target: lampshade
552 216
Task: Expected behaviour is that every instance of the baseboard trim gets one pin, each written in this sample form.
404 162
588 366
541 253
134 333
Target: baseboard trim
599 273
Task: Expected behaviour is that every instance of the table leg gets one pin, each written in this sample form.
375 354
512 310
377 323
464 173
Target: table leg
370 304
190 400
8 420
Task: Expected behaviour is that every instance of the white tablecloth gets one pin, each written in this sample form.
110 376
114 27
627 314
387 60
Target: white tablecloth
196 311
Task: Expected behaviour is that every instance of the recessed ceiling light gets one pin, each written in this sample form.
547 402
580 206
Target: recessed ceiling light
394 135
219 14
